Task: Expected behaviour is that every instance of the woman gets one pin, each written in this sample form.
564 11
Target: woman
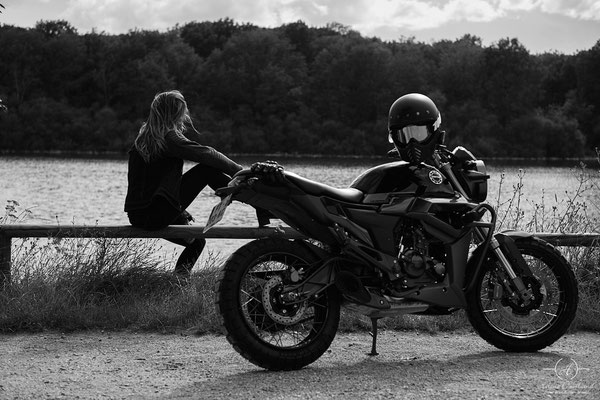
158 191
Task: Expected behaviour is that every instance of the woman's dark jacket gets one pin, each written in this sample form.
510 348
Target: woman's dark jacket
162 176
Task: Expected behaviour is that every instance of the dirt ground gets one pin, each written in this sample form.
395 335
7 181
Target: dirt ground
411 365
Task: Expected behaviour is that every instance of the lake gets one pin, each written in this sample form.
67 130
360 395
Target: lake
92 190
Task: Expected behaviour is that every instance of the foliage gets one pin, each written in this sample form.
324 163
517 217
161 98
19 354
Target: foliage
293 88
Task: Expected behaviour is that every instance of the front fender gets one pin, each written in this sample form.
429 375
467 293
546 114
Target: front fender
507 240
508 246
514 234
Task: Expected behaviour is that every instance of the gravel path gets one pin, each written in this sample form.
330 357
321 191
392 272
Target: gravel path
410 365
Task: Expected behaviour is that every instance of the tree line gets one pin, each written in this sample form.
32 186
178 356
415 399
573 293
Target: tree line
292 88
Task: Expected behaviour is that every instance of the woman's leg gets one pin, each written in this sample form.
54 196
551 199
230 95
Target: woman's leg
196 179
160 214
188 257
192 183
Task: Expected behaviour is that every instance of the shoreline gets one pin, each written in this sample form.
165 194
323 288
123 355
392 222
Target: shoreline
123 155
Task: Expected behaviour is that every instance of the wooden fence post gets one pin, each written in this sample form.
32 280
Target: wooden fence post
5 258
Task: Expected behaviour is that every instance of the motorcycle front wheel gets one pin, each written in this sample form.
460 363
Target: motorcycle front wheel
268 325
505 322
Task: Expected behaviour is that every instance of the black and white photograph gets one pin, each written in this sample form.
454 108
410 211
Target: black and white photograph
300 199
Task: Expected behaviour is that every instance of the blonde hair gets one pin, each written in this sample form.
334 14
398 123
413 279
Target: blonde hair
168 112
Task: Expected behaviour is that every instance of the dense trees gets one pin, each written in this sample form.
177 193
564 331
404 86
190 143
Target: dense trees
293 88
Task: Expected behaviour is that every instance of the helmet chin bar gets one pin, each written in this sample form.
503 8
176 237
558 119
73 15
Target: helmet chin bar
416 153
411 153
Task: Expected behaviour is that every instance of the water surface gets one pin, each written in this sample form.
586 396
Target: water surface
92 190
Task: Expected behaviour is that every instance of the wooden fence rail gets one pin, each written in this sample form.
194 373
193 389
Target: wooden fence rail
7 232
570 239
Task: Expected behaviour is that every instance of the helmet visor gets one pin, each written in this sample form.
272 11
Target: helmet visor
417 133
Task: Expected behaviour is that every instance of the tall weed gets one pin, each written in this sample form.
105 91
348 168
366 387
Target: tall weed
578 211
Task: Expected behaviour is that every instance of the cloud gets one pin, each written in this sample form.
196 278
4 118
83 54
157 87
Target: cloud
365 16
422 15
582 9
123 15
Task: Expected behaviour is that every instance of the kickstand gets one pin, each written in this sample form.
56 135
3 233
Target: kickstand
374 334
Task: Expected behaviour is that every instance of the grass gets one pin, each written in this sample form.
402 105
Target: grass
78 284
117 284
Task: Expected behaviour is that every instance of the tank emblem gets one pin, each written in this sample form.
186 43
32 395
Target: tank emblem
436 177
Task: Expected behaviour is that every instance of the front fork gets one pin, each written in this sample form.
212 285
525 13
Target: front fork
508 256
484 233
524 293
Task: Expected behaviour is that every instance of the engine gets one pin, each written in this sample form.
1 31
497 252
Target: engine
419 259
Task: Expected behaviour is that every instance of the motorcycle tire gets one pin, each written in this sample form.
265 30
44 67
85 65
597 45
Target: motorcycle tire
525 327
260 324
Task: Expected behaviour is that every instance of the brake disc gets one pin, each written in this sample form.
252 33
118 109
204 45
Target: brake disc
275 308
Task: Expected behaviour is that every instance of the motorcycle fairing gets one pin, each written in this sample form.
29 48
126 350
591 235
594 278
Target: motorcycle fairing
383 182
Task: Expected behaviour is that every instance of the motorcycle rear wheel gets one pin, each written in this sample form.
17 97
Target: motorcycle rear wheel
261 322
531 327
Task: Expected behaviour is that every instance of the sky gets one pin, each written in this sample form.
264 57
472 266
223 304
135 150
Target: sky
565 26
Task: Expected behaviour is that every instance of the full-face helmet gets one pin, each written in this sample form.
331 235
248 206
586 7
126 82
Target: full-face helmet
413 127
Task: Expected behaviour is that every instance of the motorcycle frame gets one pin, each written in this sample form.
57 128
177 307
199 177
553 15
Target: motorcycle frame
341 226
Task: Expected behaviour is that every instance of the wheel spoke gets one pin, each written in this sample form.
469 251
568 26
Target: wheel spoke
490 311
515 320
269 320
250 298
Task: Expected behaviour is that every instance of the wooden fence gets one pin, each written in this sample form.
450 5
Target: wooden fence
10 231
7 232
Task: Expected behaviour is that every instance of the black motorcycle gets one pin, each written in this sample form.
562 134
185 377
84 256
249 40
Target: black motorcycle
402 239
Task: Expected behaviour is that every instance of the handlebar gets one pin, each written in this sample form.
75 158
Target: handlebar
442 158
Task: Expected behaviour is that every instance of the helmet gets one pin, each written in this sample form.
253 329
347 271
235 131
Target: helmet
413 127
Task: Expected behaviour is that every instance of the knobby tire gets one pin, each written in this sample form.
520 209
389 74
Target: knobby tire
505 326
260 267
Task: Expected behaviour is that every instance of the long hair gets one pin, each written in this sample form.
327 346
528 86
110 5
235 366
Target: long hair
168 112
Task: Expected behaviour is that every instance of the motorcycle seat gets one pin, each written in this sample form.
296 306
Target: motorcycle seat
350 195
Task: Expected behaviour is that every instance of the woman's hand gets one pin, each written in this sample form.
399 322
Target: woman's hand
271 169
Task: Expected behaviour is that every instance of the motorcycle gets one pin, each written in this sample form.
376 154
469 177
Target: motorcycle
401 239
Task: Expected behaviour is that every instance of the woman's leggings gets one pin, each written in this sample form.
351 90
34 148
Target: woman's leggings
161 213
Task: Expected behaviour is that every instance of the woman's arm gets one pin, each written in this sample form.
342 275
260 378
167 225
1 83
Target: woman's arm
181 147
194 135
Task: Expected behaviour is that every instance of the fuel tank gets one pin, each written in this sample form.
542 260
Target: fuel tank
401 179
